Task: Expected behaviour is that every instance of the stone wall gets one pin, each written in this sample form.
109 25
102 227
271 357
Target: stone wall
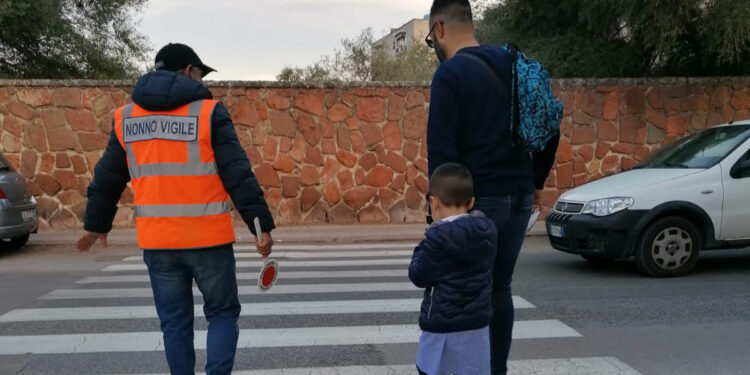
347 154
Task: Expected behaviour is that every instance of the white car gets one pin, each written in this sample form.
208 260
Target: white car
693 195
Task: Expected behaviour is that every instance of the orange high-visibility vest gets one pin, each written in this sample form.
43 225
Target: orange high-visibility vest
180 201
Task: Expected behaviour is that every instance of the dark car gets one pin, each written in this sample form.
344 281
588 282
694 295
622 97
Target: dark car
18 215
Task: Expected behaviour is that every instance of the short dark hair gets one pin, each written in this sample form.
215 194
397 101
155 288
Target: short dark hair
452 184
452 10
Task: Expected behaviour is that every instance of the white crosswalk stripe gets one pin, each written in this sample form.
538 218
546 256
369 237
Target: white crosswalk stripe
249 309
335 272
243 290
309 255
577 366
253 338
290 264
288 275
347 247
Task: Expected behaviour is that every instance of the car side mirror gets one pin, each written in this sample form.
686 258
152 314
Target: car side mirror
741 169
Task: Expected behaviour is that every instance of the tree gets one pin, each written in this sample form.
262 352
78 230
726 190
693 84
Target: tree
357 60
70 39
353 61
479 6
312 73
417 63
626 38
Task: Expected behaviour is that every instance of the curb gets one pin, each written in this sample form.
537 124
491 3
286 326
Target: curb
284 235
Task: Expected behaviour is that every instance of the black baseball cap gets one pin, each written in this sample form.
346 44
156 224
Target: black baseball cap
176 56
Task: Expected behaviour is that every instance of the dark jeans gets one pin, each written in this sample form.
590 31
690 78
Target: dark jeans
172 273
511 215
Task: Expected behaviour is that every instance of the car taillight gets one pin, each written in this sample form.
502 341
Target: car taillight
2 194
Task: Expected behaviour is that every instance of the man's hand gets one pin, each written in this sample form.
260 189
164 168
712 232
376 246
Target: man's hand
264 242
88 239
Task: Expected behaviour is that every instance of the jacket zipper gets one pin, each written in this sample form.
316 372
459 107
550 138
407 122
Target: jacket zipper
429 310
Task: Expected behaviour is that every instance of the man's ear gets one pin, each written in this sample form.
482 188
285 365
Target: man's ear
471 204
439 30
434 202
186 71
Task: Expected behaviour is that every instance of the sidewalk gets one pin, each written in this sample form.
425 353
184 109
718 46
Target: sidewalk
330 234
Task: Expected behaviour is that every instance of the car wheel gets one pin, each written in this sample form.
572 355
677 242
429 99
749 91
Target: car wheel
669 247
15 242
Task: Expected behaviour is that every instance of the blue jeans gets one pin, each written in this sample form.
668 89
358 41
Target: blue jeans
511 215
172 273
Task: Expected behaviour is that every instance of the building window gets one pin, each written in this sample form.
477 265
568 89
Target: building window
400 41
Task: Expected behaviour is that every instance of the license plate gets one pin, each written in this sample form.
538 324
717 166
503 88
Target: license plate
28 215
556 231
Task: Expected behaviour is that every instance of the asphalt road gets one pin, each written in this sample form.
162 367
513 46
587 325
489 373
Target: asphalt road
350 309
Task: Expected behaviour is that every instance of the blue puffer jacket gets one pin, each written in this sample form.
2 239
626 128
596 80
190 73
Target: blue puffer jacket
162 91
454 263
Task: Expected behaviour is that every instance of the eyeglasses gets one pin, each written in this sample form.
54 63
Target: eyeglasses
428 39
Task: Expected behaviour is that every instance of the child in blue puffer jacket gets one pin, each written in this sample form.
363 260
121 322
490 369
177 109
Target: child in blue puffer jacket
454 264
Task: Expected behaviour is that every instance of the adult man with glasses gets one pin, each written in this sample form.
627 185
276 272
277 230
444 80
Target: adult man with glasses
469 124
179 149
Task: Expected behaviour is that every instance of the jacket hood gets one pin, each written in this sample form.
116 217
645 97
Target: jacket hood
467 239
162 90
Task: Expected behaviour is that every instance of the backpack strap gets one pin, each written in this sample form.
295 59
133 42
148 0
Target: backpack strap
515 121
489 69
514 118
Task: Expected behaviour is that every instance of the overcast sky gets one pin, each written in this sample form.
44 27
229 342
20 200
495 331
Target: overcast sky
255 39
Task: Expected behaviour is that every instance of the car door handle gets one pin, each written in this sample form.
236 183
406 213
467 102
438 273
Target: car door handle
706 192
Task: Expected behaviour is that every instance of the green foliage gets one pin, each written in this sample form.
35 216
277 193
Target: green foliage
312 73
356 60
70 39
417 63
626 38
352 61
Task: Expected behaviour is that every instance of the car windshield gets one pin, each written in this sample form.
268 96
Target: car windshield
5 164
699 151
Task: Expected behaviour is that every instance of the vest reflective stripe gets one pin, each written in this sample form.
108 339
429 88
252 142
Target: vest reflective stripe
178 190
183 210
180 200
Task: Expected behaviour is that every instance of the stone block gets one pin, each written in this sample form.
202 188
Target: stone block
373 214
379 176
393 136
68 97
371 109
290 186
311 103
372 133
339 113
309 129
358 197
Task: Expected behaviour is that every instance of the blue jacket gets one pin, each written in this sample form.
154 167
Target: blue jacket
162 91
454 263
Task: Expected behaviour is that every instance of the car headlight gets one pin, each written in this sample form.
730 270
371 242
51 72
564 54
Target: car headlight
609 206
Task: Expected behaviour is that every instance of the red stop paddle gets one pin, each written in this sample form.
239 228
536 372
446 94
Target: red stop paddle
268 275
270 271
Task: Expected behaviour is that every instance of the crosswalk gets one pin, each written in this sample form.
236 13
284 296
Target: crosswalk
339 309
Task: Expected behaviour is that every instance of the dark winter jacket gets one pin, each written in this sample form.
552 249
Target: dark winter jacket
469 124
454 263
162 91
